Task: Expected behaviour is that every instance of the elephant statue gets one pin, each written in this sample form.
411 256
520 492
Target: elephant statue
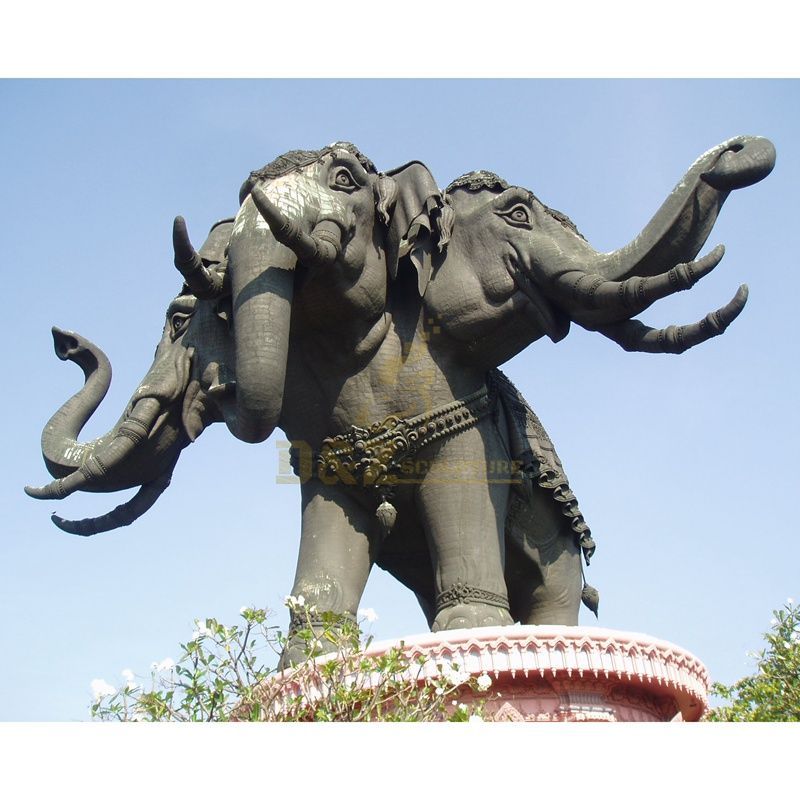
476 274
247 275
511 272
172 406
365 315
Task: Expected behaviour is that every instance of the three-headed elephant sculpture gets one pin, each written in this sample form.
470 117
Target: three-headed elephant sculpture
365 314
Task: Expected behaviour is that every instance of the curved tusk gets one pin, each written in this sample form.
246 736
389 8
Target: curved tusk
319 248
613 301
122 515
201 281
635 337
128 435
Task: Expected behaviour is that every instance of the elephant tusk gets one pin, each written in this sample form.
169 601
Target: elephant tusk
122 515
127 436
612 301
635 337
201 281
319 248
222 391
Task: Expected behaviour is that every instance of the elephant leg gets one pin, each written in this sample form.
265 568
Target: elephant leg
462 507
405 555
543 563
337 549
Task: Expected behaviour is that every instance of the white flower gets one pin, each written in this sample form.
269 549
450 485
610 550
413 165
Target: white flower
200 630
243 610
484 682
790 601
795 636
368 614
439 692
290 601
475 718
162 666
456 676
462 707
101 689
130 678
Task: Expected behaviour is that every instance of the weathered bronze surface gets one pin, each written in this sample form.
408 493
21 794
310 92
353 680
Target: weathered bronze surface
366 314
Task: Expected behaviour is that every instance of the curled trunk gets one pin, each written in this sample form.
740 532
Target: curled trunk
681 226
62 451
140 448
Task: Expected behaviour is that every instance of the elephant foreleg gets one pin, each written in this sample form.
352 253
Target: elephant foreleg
462 506
337 549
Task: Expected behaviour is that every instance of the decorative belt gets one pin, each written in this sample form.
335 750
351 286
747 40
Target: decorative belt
373 457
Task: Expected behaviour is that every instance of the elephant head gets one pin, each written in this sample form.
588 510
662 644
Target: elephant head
315 237
318 219
311 207
173 404
520 251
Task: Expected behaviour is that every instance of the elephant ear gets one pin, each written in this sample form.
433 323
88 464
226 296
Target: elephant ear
213 249
421 218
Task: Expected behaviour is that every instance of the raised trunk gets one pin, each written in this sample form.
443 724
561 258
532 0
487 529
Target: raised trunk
681 226
143 444
62 451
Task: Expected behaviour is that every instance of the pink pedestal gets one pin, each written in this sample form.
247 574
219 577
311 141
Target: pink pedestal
554 673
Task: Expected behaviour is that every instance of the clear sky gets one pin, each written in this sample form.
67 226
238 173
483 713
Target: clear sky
685 467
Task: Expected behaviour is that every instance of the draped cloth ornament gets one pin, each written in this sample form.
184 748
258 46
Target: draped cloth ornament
373 457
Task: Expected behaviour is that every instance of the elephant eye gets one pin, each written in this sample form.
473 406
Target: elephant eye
178 323
519 215
343 179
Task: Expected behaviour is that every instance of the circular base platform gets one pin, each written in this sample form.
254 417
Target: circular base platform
554 673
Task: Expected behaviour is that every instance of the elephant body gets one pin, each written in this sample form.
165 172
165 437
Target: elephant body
366 315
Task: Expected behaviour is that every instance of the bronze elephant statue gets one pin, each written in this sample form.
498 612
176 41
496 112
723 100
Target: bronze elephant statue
366 314
170 408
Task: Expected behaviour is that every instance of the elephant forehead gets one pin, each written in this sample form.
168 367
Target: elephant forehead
299 196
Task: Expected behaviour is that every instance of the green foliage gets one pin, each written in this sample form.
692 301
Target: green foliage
773 693
221 677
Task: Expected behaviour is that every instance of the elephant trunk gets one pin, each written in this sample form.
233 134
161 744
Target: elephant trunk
60 447
137 450
319 248
261 272
682 224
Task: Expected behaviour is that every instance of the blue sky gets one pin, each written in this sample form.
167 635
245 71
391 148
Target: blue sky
685 467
